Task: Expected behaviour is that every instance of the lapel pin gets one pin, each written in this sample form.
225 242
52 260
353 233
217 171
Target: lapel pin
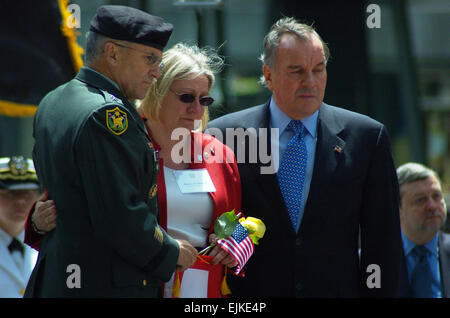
213 152
337 149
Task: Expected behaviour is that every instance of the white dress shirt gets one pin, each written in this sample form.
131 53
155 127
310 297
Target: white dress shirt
15 269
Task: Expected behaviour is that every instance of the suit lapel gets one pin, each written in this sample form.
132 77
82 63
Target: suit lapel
330 149
330 152
266 183
444 263
30 258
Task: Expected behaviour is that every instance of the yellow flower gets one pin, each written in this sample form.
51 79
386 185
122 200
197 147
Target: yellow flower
255 228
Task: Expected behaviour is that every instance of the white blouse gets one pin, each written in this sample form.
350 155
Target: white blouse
189 215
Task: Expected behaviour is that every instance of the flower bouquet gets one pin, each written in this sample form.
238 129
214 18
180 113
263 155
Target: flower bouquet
236 235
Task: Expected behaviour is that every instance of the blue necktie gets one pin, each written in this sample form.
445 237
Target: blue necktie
421 277
291 174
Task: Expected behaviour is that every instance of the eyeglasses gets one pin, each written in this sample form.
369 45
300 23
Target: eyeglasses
152 58
189 98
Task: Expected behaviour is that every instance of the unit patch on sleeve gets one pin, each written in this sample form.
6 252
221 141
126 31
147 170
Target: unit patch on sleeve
116 121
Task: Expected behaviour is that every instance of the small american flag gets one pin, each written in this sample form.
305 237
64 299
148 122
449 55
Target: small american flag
239 244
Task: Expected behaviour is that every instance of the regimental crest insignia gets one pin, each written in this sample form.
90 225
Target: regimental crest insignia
116 121
18 166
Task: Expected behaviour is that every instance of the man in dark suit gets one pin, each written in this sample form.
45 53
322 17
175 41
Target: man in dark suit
94 156
426 248
348 186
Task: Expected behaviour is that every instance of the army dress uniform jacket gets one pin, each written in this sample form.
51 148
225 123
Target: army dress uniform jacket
91 152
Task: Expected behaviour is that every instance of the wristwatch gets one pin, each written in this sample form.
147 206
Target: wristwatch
33 225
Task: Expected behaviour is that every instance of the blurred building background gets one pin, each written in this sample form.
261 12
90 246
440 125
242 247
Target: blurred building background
395 69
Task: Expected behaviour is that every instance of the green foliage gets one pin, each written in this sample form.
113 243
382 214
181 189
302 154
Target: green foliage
225 225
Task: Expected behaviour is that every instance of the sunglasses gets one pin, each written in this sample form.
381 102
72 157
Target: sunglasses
189 98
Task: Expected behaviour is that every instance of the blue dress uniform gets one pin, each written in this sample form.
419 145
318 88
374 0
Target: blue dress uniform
93 154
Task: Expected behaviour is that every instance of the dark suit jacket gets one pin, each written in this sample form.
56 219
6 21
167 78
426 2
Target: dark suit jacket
102 179
353 193
444 262
444 265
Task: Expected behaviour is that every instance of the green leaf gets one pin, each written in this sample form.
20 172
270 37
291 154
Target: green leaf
249 231
254 239
225 225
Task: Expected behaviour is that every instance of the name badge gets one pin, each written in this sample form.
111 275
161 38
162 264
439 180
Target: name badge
194 181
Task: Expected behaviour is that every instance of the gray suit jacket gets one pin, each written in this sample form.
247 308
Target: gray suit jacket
444 262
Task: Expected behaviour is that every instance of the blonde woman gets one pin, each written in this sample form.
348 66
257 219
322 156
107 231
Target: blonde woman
174 104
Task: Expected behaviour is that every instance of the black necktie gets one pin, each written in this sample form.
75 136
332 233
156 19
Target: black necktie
15 245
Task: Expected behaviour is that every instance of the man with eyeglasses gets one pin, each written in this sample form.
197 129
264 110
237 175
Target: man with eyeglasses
19 188
93 155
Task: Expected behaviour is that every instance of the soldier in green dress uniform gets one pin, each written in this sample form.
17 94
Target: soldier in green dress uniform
93 155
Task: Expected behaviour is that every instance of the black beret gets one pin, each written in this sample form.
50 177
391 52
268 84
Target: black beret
133 25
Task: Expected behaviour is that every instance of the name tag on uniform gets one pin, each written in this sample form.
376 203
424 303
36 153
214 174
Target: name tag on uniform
194 181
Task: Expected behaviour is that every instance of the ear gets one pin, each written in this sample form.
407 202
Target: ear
111 53
267 72
402 213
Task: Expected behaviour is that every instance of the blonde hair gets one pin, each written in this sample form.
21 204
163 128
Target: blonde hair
180 62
